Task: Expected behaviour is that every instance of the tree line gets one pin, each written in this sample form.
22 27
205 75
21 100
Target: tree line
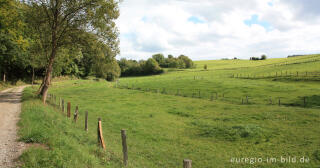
48 38
153 65
263 57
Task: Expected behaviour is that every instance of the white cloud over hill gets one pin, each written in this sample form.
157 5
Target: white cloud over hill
214 29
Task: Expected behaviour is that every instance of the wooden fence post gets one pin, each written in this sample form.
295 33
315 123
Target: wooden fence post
279 101
62 107
75 115
247 99
124 147
86 121
100 136
187 163
199 94
68 109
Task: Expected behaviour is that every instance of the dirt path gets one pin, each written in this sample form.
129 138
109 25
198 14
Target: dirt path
10 108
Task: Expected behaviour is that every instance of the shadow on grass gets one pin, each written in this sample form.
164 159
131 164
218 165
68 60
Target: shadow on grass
309 102
235 132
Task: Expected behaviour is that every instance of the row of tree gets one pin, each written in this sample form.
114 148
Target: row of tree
263 57
180 62
153 65
49 38
139 68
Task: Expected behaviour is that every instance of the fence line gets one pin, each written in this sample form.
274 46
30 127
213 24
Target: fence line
60 106
209 95
281 74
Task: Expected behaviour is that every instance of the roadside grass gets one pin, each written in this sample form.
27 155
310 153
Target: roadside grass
163 130
6 85
65 144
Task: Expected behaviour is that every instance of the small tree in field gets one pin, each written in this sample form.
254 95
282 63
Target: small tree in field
263 57
205 67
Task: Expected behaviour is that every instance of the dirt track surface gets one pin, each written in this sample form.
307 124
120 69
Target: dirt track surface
10 108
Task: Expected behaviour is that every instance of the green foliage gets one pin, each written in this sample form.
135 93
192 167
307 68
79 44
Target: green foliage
13 42
188 62
108 70
34 33
181 62
263 57
159 58
134 68
205 67
151 66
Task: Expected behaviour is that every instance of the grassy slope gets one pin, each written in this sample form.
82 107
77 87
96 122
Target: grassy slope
259 91
164 129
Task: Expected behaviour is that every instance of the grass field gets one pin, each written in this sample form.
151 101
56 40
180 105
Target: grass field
164 129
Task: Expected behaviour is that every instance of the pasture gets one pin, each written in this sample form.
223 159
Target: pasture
209 116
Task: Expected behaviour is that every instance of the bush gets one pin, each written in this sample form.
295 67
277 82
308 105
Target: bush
109 71
134 68
159 58
263 57
205 67
151 66
189 63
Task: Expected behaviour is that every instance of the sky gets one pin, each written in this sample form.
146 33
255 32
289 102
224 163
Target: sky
216 29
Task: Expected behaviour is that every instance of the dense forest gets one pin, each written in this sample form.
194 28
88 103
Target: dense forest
85 44
48 38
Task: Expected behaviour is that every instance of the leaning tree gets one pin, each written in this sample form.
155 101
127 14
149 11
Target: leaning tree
67 23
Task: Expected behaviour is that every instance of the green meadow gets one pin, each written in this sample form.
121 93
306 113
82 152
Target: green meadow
209 116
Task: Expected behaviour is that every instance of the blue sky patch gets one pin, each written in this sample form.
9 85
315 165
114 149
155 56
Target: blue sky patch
195 20
144 19
255 20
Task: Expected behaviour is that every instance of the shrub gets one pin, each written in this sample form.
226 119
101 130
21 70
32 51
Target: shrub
205 67
134 68
159 58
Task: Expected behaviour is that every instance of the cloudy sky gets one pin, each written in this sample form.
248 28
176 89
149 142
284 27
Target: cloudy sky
215 29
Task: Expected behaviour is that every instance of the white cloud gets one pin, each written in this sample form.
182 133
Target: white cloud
218 28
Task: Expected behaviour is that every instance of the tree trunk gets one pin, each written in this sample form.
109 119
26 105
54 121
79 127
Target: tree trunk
39 92
4 77
47 79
